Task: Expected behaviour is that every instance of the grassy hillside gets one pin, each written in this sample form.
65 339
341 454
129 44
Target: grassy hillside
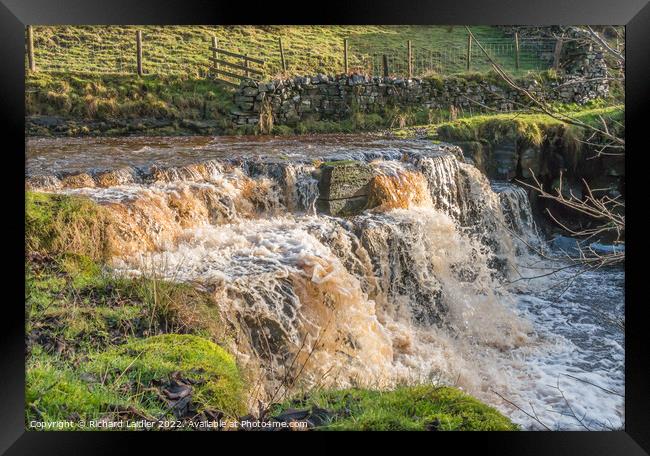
86 82
308 49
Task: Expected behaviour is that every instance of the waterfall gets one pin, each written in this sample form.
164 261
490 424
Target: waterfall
412 289
515 206
374 297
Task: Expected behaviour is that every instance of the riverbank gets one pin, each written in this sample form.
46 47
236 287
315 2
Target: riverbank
116 105
78 105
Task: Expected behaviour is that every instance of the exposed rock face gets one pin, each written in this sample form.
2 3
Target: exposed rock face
505 159
530 162
58 126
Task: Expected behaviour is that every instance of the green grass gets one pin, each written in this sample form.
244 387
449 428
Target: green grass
415 408
308 48
67 279
87 73
74 305
57 224
524 125
55 392
216 378
105 97
97 342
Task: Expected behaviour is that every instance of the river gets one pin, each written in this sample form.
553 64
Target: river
428 286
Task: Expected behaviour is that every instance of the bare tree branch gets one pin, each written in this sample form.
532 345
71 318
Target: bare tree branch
620 57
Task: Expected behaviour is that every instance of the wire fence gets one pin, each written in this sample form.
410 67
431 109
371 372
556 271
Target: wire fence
534 55
190 56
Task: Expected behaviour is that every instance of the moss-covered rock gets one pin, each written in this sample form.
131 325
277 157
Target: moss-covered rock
416 408
163 377
520 143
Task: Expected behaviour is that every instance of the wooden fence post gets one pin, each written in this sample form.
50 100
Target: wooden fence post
248 74
282 61
517 50
557 53
469 51
410 58
215 55
345 56
30 49
138 38
385 61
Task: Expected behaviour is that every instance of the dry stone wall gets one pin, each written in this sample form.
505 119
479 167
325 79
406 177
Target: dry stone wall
324 97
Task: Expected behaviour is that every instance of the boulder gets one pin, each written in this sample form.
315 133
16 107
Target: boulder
343 187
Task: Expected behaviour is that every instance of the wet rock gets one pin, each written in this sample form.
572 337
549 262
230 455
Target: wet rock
80 180
46 121
314 417
473 152
113 177
178 395
47 182
433 425
567 245
343 207
199 126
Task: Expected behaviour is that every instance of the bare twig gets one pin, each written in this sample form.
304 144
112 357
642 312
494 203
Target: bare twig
532 416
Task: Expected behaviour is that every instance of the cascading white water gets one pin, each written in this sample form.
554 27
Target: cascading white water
414 289
518 216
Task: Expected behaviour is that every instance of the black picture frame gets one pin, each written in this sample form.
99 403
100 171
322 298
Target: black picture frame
16 14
